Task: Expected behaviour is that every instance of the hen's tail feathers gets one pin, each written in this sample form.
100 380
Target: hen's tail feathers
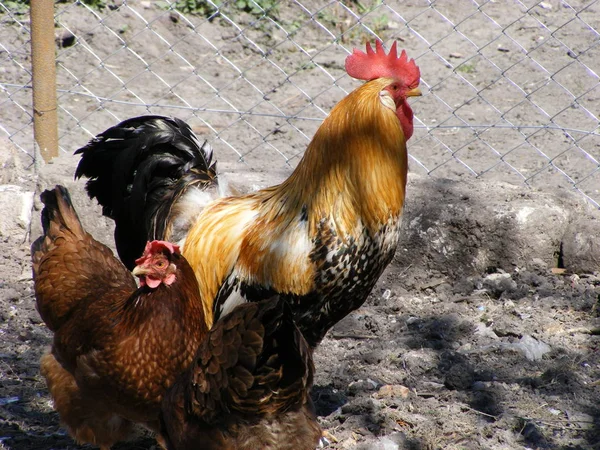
254 362
138 170
58 216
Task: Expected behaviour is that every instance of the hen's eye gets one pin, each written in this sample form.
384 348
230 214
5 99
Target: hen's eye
161 264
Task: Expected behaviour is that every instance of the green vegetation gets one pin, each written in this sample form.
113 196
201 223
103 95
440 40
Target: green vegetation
199 7
96 4
22 6
257 7
466 68
207 9
335 17
16 6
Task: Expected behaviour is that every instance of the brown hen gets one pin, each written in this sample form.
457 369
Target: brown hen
116 347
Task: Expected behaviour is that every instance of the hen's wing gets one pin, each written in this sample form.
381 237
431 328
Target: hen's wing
69 265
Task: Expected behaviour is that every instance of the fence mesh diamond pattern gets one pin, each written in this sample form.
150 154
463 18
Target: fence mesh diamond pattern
511 86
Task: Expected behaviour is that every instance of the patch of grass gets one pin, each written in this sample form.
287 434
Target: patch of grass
380 23
96 4
15 7
21 6
367 9
198 7
257 7
466 68
294 26
207 9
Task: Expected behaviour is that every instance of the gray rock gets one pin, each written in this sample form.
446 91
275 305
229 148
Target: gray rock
460 229
16 204
65 38
581 247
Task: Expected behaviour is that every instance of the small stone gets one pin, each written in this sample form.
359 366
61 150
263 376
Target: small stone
392 391
115 4
497 283
482 330
373 357
460 377
479 386
539 264
35 319
10 294
361 386
65 38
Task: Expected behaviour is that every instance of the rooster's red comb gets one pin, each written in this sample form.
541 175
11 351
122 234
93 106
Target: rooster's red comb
155 247
376 64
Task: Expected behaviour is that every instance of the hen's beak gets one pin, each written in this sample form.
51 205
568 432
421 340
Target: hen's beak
139 271
416 92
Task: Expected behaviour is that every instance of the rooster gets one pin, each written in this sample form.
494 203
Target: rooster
320 239
116 347
248 388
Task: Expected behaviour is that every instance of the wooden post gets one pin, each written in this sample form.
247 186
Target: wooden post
45 117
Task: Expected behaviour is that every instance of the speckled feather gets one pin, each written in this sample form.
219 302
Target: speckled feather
248 387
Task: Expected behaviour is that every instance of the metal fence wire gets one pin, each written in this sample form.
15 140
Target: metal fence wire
512 86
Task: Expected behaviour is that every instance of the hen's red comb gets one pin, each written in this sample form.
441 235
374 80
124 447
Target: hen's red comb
376 64
155 247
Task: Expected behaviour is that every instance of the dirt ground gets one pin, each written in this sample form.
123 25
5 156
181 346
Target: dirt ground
484 332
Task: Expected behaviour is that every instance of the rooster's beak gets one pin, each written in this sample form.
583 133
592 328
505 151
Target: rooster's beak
416 92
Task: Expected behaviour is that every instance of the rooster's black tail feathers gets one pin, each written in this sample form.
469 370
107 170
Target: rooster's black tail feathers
137 170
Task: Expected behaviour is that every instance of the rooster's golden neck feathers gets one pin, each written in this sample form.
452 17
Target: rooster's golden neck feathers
358 155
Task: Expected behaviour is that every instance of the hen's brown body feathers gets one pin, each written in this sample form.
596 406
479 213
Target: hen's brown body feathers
248 388
116 348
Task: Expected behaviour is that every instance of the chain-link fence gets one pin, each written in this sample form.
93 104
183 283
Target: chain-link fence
512 86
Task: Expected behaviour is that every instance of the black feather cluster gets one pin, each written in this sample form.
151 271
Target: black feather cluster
137 170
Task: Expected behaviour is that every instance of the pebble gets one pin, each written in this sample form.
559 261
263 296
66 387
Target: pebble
392 391
65 38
